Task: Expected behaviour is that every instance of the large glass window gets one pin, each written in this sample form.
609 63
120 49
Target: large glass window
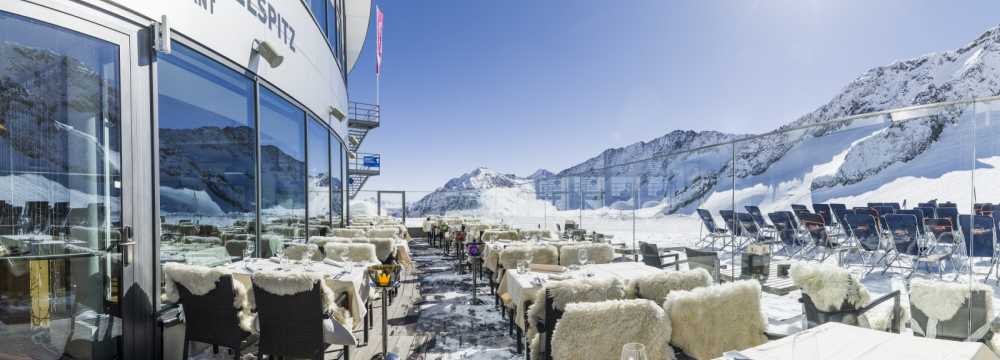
336 183
318 9
207 159
332 35
320 178
282 172
60 192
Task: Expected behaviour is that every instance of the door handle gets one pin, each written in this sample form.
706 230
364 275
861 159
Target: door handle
126 245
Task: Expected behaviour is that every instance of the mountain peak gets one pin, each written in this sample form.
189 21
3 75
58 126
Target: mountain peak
481 178
541 174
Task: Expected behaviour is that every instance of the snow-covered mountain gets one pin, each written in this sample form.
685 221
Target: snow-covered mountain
481 191
864 159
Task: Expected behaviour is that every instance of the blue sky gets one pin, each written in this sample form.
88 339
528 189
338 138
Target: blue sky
522 85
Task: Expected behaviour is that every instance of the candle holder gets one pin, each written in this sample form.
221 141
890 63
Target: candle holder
474 250
384 278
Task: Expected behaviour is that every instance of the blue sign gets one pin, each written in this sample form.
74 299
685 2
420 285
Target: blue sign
371 161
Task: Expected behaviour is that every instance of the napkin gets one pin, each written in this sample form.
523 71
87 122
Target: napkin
275 260
547 268
560 277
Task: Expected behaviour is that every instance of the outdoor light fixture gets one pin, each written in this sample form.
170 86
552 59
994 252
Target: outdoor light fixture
266 51
384 278
337 113
352 155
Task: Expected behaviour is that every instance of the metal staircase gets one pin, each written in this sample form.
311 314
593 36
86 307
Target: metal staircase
362 118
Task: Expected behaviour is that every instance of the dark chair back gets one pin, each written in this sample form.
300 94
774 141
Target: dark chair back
758 216
903 230
835 207
651 254
893 205
824 211
782 223
942 230
979 234
839 215
236 248
927 211
816 317
948 204
817 229
798 207
211 318
291 325
930 204
917 214
865 230
747 224
706 218
729 218
548 326
950 213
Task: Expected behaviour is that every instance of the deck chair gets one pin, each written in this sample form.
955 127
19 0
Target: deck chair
652 256
920 220
867 237
729 218
821 239
928 211
950 213
786 233
714 232
834 207
907 242
749 228
839 215
946 236
948 204
824 211
799 207
758 217
931 204
979 234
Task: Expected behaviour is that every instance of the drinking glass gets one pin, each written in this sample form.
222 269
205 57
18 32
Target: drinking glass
280 252
522 266
583 257
634 351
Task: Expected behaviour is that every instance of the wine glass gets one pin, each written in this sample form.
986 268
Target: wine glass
634 351
280 252
583 256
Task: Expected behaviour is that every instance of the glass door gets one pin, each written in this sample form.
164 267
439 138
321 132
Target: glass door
64 232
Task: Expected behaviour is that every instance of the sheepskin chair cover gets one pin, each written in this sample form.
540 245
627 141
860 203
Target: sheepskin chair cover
320 241
383 233
599 253
300 251
711 320
599 330
200 280
539 254
362 253
574 291
656 286
384 247
941 300
349 233
829 286
290 283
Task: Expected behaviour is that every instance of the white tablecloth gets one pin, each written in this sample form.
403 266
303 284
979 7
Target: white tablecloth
839 341
354 282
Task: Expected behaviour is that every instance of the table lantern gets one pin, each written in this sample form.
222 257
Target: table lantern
474 249
384 276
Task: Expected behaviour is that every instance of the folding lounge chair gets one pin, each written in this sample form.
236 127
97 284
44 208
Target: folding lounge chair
945 235
928 211
835 207
949 213
907 242
844 227
758 217
868 237
920 220
786 233
979 233
817 231
729 218
748 227
797 207
714 232
824 211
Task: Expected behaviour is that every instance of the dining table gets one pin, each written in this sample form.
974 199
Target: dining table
840 341
347 277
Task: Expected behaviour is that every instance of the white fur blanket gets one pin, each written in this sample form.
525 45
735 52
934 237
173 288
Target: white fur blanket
539 254
349 233
574 291
320 241
301 251
290 283
940 300
364 253
828 286
711 320
200 280
384 247
383 233
656 287
599 330
599 253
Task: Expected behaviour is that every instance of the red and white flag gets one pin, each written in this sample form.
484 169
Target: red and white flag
378 49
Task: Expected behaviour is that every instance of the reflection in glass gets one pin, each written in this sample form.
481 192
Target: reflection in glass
60 188
282 172
319 178
336 183
207 159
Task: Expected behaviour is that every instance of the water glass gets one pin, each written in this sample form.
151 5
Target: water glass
634 351
583 257
522 266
